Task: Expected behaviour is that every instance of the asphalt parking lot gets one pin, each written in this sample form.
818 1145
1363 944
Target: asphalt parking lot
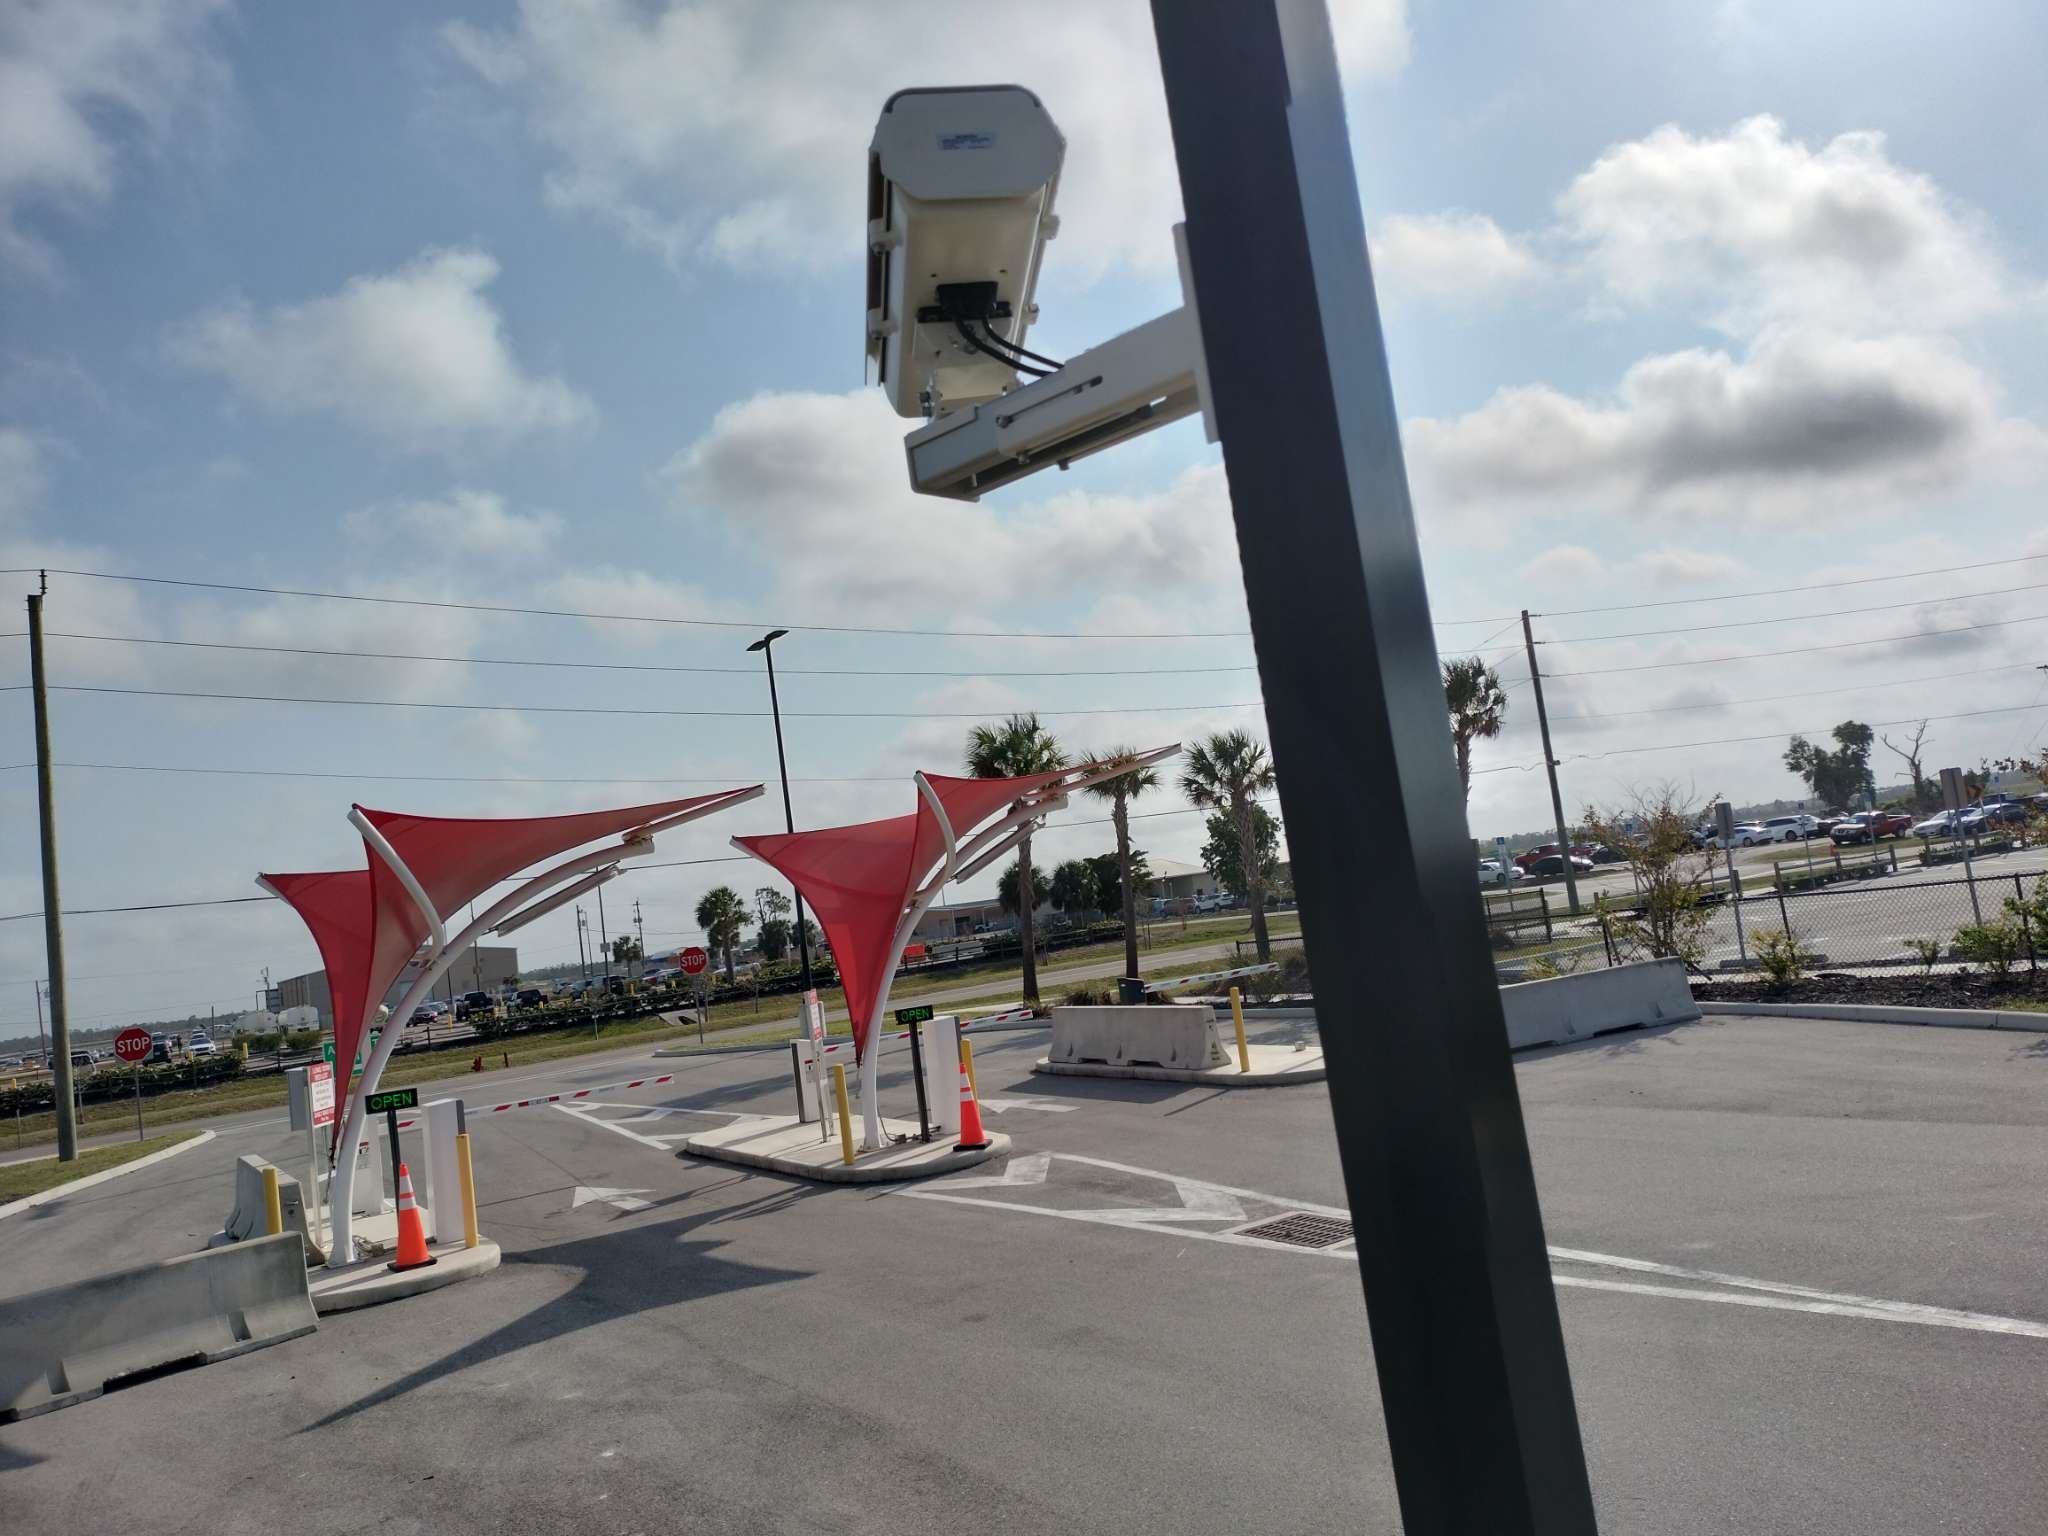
1798 1265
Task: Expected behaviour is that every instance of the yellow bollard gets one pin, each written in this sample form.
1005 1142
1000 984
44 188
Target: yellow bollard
845 1112
273 1208
1244 1052
468 1178
967 1060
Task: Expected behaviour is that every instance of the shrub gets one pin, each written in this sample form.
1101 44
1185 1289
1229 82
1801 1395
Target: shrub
1995 946
2031 914
1542 968
1779 954
1926 951
1087 997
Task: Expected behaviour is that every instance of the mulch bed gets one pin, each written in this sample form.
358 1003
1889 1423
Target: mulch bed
1959 989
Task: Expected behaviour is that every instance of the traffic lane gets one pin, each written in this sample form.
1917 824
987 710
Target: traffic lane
638 1359
1866 1158
776 1356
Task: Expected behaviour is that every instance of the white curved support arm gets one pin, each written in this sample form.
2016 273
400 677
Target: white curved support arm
381 846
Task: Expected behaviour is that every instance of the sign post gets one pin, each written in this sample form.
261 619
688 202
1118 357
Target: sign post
1955 794
814 1025
132 1046
320 1099
910 1019
391 1103
695 963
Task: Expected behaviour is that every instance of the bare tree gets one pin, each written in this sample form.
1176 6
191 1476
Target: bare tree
1653 831
1911 752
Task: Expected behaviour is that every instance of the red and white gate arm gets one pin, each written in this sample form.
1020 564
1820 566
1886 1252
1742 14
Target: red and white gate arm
1183 981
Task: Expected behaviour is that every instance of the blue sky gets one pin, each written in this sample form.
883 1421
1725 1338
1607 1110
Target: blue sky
558 306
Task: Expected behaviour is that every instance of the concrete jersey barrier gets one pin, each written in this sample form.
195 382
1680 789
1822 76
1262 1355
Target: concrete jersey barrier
1153 1035
1566 1008
248 1217
71 1342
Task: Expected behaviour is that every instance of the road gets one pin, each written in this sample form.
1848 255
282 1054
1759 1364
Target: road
1079 1341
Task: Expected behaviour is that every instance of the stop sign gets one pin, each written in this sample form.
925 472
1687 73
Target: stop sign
694 961
132 1044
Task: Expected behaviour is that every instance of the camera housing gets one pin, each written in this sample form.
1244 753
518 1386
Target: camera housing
961 182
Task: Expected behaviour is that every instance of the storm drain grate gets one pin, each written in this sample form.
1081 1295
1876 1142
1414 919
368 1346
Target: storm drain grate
1302 1230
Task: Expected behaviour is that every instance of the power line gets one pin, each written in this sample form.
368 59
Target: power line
1812 586
632 666
442 778
1808 693
1792 618
596 709
632 618
630 869
1801 650
1732 741
650 618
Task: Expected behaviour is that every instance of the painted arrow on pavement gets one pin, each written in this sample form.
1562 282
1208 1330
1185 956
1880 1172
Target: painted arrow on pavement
622 1198
999 1106
1030 1168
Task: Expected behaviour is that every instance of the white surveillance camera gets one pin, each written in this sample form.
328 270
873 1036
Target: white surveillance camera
960 205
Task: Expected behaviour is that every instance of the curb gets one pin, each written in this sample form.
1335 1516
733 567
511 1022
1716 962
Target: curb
58 1192
1868 1013
367 1283
1213 1077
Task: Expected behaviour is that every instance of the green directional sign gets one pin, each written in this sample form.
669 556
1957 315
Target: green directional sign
396 1098
327 1052
921 1014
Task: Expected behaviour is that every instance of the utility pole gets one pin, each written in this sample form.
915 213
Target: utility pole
604 942
1564 842
582 962
53 921
640 937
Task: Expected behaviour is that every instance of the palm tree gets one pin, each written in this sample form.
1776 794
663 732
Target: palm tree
1228 772
1120 792
1017 746
1477 703
722 914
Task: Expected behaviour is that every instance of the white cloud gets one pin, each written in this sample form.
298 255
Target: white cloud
1762 228
821 477
1563 565
1805 424
417 356
1454 255
1574 565
734 131
466 524
76 76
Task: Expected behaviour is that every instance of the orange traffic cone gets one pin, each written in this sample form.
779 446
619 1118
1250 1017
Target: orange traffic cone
972 1137
412 1236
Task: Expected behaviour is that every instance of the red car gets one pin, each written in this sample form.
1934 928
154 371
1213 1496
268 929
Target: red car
1869 826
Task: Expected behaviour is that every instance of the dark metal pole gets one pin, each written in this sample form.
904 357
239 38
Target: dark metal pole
1474 1383
604 942
1564 841
803 939
53 921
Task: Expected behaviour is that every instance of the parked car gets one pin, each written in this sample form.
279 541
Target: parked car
1490 872
199 1045
1940 824
159 1048
82 1059
1215 901
1747 834
472 1003
1869 826
529 997
1791 829
1984 818
1551 866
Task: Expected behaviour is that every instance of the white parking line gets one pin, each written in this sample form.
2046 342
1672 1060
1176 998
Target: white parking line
1203 1201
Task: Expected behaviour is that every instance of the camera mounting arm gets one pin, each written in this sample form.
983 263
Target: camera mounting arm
1145 378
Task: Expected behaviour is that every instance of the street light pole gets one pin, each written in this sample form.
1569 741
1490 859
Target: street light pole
766 646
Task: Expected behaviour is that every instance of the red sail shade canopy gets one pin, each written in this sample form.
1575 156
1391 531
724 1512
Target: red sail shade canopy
335 906
859 879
